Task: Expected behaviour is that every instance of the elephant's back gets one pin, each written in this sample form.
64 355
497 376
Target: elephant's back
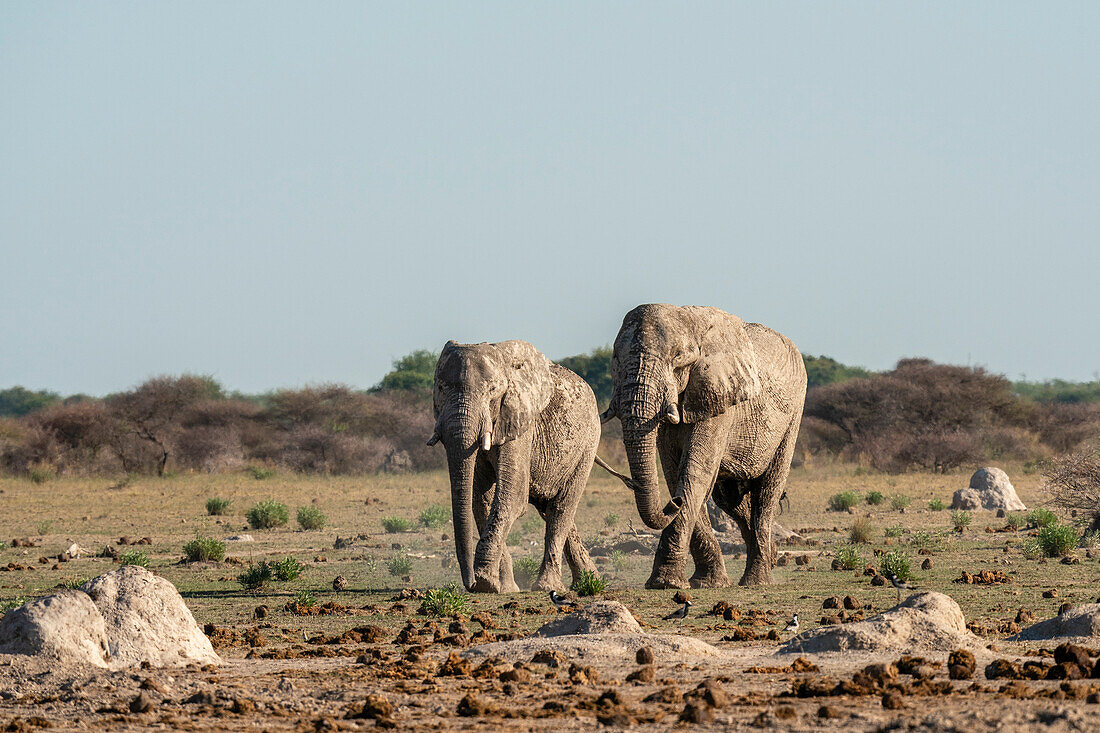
779 361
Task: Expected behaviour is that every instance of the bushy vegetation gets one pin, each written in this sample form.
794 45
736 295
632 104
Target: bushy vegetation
1015 520
895 531
610 519
1041 517
435 516
204 549
260 473
286 569
400 565
268 514
896 561
960 519
217 506
937 505
1056 540
134 557
899 502
619 561
862 532
446 601
843 501
1074 483
393 525
305 599
588 584
526 570
874 498
255 576
310 517
849 557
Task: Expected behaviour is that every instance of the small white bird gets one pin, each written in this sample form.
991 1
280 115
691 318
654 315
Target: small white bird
898 583
680 613
793 625
562 601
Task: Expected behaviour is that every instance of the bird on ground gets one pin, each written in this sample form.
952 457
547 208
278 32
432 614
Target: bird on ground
562 601
899 584
680 613
793 625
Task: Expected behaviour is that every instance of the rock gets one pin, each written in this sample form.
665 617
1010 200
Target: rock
141 704
681 597
1003 669
146 620
1072 653
644 655
696 712
339 583
878 580
927 620
927 564
375 706
549 657
1078 622
831 602
642 674
852 604
237 538
1052 593
601 617
67 627
989 489
893 701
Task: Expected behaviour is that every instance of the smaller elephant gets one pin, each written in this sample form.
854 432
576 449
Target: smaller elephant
517 428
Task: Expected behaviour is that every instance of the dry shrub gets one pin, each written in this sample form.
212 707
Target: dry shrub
1074 482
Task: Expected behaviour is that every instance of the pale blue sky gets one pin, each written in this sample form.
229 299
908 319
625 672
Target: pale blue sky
278 194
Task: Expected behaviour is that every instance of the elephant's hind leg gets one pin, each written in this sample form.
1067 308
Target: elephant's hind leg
576 554
560 528
765 501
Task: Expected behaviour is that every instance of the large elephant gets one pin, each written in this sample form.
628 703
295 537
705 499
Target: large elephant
721 401
517 428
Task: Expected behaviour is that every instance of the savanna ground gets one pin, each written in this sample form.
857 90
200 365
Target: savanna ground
286 671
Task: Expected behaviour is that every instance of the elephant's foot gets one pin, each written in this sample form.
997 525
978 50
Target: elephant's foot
485 584
756 574
547 583
667 577
713 577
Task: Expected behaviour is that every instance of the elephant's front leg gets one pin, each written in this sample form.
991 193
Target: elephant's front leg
509 500
483 502
691 455
710 567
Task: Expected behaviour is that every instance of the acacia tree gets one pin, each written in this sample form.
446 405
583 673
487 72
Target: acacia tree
151 413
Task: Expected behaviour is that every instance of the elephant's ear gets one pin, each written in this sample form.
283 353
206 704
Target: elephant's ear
444 356
726 370
529 389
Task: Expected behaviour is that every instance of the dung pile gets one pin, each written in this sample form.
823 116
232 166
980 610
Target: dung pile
928 621
1079 622
118 620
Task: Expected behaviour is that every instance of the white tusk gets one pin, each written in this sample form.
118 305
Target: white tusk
487 441
434 439
673 413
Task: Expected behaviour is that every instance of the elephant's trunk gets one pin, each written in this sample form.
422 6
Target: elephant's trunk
462 447
642 400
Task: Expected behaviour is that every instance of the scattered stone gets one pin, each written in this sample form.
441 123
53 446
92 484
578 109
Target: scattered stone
1079 621
681 597
260 612
828 712
831 602
852 604
892 701
642 674
549 657
234 538
339 583
644 656
374 707
878 580
696 712
927 564
483 618
1052 593
1003 669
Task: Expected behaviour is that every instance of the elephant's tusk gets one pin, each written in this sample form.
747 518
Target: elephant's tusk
672 413
434 439
487 440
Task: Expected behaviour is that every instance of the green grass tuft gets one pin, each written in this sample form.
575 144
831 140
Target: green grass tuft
217 506
1041 517
286 569
134 557
204 549
850 557
874 498
393 525
310 517
256 576
399 565
843 501
897 562
526 571
589 584
447 601
1057 540
435 516
268 514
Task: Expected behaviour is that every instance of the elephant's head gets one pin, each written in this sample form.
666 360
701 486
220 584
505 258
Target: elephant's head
676 364
485 395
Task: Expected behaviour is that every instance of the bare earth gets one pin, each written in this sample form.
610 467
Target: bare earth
375 662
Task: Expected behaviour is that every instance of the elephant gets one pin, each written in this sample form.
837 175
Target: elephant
720 401
517 428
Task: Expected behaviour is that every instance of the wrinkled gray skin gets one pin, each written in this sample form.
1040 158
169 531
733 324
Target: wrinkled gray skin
517 429
720 400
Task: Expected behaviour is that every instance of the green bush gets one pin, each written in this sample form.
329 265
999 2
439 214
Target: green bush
260 472
1091 539
134 557
610 519
875 498
435 516
1031 548
618 560
850 557
1015 521
447 601
899 501
286 569
1056 540
393 525
1041 517
924 540
305 599
268 514
256 576
936 505
960 519
896 561
400 565
526 570
895 531
310 517
588 584
862 531
217 506
41 473
204 549
843 501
